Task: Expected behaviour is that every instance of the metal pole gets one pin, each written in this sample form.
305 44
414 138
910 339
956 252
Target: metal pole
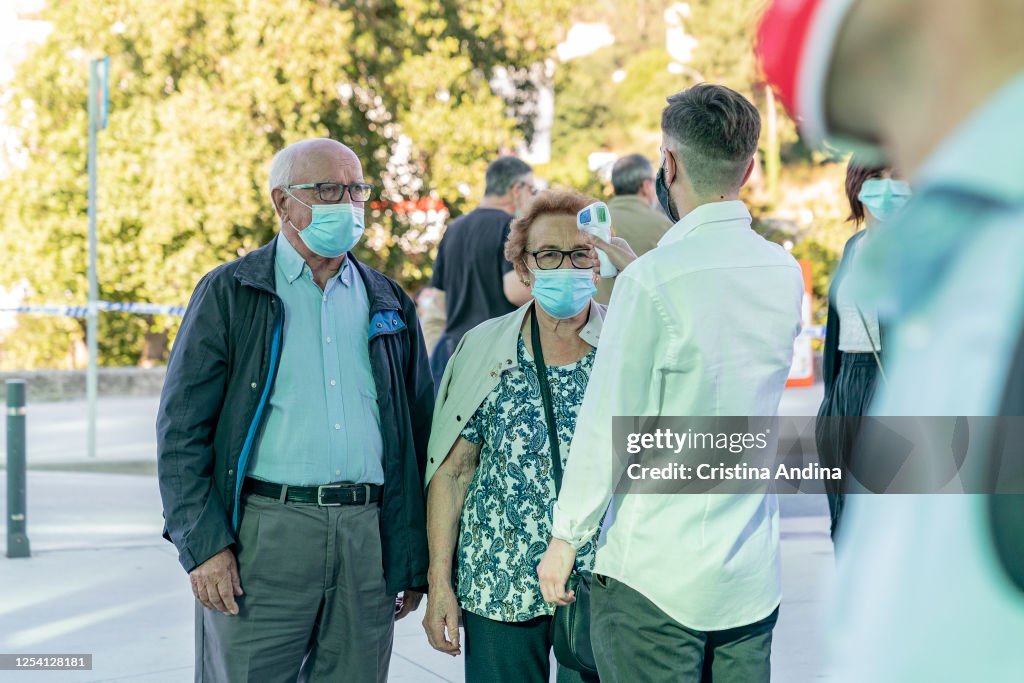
92 312
17 538
773 161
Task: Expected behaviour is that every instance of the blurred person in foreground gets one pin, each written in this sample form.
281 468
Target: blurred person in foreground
852 360
686 587
477 281
291 442
635 212
932 586
492 473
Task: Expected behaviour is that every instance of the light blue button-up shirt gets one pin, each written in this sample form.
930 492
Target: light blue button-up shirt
324 422
947 274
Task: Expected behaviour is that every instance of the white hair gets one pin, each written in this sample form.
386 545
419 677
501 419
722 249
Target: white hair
281 168
284 162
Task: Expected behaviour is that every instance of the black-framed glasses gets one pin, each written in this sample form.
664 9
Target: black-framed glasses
333 192
550 259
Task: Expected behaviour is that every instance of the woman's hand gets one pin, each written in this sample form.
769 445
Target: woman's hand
442 614
553 572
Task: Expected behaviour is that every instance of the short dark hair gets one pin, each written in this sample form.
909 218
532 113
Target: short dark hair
715 130
856 173
502 174
630 172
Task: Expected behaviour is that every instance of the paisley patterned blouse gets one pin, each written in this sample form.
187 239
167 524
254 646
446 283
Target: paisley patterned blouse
506 521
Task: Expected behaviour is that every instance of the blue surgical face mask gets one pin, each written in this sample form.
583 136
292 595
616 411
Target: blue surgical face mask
883 197
333 230
563 292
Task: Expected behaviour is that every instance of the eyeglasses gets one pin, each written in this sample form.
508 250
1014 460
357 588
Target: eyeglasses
333 192
550 259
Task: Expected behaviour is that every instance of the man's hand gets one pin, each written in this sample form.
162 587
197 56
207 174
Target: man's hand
215 582
617 249
553 572
442 614
407 603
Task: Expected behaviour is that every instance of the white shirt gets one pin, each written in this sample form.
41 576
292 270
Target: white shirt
854 337
920 594
702 325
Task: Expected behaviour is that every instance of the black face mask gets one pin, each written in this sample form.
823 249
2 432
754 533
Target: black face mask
667 205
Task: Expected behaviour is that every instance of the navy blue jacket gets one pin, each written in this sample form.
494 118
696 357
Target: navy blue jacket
212 408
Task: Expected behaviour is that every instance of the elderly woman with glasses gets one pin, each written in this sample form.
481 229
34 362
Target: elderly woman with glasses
492 471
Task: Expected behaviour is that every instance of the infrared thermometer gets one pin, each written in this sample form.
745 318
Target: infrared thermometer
597 220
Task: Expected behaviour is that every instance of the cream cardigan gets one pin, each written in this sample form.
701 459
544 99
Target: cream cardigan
475 368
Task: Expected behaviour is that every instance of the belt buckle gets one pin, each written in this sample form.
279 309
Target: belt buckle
320 495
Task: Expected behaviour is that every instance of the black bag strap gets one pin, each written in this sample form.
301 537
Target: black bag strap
545 396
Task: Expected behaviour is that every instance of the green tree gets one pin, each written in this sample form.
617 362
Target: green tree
203 92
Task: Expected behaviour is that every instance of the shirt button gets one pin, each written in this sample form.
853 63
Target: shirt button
328 340
323 298
337 426
337 472
333 382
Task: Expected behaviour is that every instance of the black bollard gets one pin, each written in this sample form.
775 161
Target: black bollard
17 538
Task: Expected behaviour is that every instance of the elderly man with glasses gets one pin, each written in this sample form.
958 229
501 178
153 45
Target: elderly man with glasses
292 437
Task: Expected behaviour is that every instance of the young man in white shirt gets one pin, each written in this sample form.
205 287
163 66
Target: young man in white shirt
686 586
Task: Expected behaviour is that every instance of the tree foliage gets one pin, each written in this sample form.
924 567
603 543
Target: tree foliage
595 112
203 93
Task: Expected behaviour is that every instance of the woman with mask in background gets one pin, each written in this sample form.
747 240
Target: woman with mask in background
505 416
852 360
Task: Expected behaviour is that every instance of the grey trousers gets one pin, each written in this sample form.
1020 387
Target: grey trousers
315 607
636 642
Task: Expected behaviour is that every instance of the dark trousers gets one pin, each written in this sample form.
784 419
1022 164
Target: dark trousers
838 423
443 350
511 652
636 642
315 606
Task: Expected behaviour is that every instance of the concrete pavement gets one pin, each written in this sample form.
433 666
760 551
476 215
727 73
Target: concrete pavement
102 581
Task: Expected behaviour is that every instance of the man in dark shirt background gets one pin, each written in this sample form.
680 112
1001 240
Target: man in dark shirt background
470 269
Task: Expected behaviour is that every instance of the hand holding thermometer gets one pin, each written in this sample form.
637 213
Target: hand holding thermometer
596 220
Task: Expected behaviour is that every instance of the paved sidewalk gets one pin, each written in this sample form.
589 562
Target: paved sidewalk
102 581
57 435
